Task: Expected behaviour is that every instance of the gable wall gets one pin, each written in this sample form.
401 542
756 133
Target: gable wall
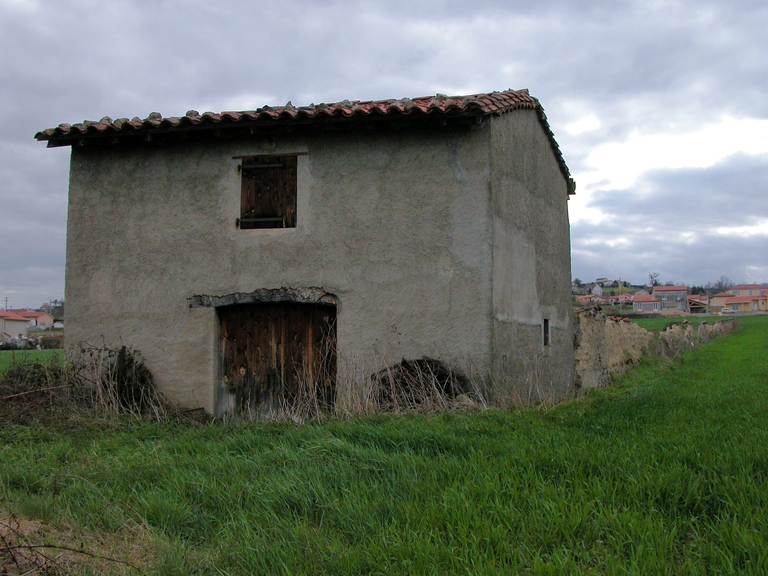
531 263
396 225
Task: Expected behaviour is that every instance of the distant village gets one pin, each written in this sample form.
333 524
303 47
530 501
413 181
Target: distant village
719 298
22 324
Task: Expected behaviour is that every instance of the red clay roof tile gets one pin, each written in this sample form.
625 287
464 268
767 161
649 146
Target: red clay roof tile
8 315
493 103
646 298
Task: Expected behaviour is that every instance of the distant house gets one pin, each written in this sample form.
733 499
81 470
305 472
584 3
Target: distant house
753 303
748 290
12 325
717 301
741 298
698 303
626 298
597 290
38 318
257 252
672 297
584 299
602 281
646 303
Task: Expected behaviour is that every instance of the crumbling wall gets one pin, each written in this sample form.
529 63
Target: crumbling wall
709 332
590 349
604 346
626 342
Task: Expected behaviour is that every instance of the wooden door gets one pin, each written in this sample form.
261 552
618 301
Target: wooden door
276 357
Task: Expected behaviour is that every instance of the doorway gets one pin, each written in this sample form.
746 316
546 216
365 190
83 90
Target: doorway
276 358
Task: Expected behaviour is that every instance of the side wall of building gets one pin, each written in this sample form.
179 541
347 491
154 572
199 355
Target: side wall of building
12 328
396 224
531 264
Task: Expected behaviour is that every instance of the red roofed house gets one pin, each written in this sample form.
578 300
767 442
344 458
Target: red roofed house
748 290
646 303
717 301
255 252
12 325
35 318
626 298
672 297
752 292
698 303
585 299
747 303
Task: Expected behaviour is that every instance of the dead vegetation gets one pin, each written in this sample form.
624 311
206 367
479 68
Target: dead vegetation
111 381
30 547
104 381
422 385
115 380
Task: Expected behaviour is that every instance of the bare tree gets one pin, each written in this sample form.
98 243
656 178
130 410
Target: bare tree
722 284
653 278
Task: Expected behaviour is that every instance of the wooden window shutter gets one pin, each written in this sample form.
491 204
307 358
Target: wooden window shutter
268 192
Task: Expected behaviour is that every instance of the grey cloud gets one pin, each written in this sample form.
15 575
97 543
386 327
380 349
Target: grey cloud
669 222
637 65
732 193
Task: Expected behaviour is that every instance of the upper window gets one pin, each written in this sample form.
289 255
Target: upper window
268 192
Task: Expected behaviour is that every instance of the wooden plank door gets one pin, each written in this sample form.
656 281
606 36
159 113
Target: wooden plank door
276 357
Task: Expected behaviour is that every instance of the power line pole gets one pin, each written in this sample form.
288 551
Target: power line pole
6 302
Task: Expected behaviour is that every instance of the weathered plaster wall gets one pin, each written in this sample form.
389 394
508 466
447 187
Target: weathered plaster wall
531 263
396 224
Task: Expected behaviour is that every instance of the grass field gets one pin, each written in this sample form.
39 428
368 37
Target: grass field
666 472
7 357
661 323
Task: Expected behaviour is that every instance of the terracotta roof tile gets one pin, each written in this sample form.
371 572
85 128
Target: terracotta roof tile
493 103
646 298
734 299
8 315
738 299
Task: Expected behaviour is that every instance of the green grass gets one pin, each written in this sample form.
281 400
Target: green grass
666 472
658 324
7 357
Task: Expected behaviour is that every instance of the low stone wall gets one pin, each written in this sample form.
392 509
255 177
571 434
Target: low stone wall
606 346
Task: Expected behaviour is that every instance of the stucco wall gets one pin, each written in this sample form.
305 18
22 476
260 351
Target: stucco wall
531 263
396 224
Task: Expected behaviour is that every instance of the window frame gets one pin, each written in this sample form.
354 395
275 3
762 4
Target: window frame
276 177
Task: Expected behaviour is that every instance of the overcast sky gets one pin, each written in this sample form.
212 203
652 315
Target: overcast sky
660 107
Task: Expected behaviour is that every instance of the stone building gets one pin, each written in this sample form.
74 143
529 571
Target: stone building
241 252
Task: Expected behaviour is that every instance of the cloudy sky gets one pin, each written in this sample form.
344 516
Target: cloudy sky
660 107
